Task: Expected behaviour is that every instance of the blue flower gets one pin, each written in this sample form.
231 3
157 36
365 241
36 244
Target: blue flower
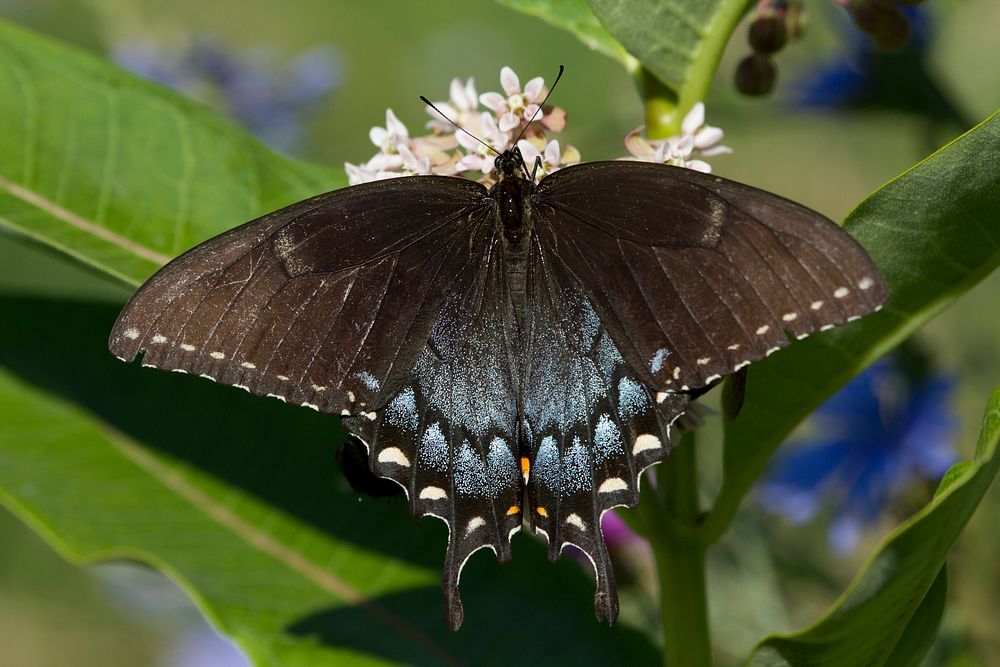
868 78
880 433
271 102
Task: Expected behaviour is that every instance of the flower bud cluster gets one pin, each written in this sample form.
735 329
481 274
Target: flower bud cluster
777 22
884 21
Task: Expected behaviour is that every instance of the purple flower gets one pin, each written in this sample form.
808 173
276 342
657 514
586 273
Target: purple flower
617 533
202 647
865 77
269 101
880 433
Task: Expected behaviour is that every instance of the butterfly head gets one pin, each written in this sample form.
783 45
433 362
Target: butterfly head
509 164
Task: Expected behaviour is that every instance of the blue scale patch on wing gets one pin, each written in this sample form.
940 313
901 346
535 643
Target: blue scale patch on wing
448 434
592 426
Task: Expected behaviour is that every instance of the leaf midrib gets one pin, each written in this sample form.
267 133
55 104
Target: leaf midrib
266 543
58 212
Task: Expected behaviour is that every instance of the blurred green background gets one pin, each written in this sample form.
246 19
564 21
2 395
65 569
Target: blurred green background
766 575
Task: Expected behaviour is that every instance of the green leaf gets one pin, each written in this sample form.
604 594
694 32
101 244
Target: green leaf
241 502
922 629
934 232
889 612
679 41
120 173
575 17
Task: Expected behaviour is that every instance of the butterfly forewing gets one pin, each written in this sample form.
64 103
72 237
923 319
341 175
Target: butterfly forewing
286 305
716 275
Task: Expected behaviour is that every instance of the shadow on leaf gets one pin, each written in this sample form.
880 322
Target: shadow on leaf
283 455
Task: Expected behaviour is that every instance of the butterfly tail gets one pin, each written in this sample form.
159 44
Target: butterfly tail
454 613
606 595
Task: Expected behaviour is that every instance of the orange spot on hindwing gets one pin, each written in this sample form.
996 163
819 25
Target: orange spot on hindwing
513 509
542 511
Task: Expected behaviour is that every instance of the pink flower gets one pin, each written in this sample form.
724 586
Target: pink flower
518 106
462 107
479 157
399 154
387 138
552 158
695 140
706 137
382 166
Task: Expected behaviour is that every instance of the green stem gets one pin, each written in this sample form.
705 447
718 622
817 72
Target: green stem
705 60
659 106
665 106
680 558
673 520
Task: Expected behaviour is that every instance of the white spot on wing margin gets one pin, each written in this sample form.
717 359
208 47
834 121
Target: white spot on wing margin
644 442
612 484
393 455
433 493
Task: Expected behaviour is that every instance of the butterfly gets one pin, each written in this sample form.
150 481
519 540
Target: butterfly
513 356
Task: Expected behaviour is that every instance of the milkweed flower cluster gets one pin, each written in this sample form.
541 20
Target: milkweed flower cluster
489 123
495 118
696 140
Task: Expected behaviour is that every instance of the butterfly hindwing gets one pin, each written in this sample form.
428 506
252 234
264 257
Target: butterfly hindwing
696 276
592 425
449 435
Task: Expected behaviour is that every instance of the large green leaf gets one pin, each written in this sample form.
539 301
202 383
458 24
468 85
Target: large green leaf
680 41
890 611
120 173
574 16
935 232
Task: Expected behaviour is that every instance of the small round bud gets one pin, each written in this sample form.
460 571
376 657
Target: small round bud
767 35
756 74
883 21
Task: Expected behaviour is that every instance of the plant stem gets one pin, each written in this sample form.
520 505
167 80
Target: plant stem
659 106
665 105
680 559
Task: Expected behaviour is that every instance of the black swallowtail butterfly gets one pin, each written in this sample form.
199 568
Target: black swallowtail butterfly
512 355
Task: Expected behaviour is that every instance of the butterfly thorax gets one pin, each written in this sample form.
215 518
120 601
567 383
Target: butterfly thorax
511 196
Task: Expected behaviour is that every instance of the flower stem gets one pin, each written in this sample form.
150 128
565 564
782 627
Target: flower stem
659 106
680 558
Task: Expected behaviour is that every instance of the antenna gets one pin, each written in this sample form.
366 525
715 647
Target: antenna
495 151
457 126
539 109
